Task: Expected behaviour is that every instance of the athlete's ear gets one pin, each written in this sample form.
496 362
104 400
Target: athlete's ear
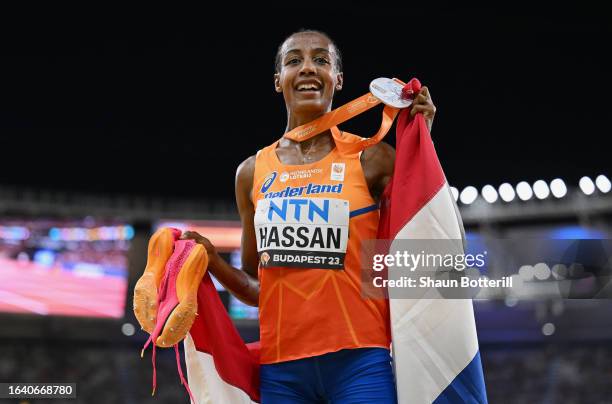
277 85
339 81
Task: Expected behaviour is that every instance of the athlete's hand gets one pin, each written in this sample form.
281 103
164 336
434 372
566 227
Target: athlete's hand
199 239
423 103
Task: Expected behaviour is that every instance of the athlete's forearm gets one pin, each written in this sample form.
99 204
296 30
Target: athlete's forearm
238 282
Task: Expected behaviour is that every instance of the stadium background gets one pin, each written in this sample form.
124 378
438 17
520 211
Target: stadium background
114 122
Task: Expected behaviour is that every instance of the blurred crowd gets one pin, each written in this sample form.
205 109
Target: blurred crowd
569 374
104 373
115 373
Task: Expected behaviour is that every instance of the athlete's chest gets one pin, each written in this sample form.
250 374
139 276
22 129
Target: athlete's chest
302 214
290 181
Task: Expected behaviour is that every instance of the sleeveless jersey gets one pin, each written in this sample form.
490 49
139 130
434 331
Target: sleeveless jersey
309 223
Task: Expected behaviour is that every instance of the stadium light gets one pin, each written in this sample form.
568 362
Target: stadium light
489 193
586 185
540 189
558 188
559 271
523 190
506 192
455 193
548 329
541 271
603 183
468 195
510 301
526 272
128 329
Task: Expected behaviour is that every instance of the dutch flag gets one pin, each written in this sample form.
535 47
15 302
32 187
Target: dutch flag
435 347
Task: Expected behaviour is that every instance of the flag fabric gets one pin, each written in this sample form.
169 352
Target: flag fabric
435 347
221 368
434 343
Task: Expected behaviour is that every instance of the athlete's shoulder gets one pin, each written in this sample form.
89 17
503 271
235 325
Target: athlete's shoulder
380 155
246 169
244 182
377 162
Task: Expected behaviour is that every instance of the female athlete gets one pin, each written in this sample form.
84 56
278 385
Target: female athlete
304 208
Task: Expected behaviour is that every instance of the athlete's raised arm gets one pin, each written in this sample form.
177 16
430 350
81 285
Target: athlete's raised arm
243 284
378 160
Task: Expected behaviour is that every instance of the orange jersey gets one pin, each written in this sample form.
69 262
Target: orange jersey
309 222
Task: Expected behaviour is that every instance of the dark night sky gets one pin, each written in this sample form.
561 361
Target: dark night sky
156 101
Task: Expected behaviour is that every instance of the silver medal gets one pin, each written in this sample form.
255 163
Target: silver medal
389 92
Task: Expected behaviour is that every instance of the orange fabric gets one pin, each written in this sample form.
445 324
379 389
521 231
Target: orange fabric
343 114
309 312
161 247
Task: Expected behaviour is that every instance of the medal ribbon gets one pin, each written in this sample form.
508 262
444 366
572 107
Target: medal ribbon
347 111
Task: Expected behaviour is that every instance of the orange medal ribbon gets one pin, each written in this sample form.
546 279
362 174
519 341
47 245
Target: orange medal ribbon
345 142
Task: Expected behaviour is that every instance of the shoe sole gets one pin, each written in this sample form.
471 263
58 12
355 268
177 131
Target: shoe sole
161 247
187 283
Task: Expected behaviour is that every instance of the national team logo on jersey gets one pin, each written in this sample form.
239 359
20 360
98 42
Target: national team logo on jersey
337 172
268 182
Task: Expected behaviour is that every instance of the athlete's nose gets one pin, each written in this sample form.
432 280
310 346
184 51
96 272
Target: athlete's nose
308 67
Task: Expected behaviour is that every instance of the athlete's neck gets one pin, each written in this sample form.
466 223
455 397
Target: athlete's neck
319 144
294 120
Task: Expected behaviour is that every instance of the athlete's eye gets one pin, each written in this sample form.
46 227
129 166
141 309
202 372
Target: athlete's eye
322 61
292 61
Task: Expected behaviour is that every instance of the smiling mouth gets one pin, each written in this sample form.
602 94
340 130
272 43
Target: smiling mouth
308 88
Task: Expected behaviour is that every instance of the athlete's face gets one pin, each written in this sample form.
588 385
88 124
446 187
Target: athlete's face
308 75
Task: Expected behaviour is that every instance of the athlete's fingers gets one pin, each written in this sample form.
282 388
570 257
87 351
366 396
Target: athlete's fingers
200 239
425 91
428 110
421 99
191 235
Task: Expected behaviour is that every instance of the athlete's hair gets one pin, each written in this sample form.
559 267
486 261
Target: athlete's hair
338 56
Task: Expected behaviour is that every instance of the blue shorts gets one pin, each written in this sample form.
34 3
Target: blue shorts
348 376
